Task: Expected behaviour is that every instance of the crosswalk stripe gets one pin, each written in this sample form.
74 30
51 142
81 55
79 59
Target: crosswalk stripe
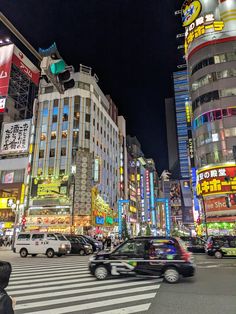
46 266
87 306
118 285
47 284
84 297
81 274
56 271
128 310
52 274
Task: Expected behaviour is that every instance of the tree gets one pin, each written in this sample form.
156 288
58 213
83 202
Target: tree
148 230
125 233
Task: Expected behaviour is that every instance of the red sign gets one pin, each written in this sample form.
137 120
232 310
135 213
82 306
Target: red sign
216 180
5 68
26 66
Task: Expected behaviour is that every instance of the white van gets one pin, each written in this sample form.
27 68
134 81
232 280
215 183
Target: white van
33 243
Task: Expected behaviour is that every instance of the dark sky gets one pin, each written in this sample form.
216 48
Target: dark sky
130 44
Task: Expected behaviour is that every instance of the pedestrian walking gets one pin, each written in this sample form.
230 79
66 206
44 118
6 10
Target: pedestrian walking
7 304
108 242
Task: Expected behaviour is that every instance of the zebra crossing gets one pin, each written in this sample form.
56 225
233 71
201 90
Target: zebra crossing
64 286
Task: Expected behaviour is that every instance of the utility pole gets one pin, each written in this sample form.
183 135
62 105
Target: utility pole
21 38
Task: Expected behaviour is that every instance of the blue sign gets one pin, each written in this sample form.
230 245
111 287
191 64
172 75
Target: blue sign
167 214
99 220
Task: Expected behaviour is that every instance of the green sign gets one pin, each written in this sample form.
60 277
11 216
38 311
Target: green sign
109 220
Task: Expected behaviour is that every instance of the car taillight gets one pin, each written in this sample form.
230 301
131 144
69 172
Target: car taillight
209 246
185 255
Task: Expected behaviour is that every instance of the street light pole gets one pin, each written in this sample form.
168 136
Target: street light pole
15 207
204 210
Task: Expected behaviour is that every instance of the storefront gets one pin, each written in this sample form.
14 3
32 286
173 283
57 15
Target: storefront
104 220
216 189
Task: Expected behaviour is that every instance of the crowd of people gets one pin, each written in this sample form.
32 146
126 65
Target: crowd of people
5 241
108 242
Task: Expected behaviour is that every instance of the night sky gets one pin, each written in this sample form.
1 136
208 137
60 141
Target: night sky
130 44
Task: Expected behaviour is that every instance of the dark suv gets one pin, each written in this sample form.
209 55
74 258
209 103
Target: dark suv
78 245
194 244
148 256
220 246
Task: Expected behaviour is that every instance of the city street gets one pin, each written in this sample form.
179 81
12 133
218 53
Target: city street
64 285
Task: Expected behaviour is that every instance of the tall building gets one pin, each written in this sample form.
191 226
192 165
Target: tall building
172 137
181 89
19 79
76 159
210 35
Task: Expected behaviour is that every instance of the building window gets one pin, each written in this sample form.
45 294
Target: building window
55 103
54 118
63 151
53 135
43 137
48 89
64 134
41 154
87 135
52 152
87 117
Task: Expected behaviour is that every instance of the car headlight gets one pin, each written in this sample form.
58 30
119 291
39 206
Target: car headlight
92 258
86 246
63 246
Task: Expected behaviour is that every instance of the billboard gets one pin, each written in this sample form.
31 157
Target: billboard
208 20
15 137
6 53
216 180
25 65
49 188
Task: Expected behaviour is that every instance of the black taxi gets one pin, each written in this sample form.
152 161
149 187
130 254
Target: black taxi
149 256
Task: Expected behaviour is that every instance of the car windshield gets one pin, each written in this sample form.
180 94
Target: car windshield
61 237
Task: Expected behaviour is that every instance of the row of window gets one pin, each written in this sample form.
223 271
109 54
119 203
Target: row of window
51 89
213 136
213 115
215 157
224 57
213 95
212 77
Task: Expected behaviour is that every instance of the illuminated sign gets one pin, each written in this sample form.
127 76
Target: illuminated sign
190 11
6 53
147 179
188 109
152 189
96 175
46 188
2 104
99 220
48 220
216 180
200 27
15 137
133 209
6 202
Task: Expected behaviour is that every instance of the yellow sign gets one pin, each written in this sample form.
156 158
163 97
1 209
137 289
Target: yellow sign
200 27
190 11
49 189
6 202
8 225
133 209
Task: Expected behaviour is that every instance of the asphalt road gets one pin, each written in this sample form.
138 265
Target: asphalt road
211 291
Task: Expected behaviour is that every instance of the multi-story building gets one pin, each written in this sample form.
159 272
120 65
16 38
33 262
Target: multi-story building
19 79
210 36
76 159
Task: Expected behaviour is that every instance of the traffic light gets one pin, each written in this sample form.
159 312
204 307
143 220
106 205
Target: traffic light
227 201
54 70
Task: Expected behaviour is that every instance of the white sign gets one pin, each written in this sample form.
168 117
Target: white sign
15 137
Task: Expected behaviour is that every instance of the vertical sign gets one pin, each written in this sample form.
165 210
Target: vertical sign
120 217
167 215
152 198
6 53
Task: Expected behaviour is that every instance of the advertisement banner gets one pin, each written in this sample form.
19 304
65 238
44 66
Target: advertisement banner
48 220
49 188
15 137
216 180
25 66
6 53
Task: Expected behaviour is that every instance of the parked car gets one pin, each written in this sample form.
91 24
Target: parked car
33 243
97 245
194 244
79 246
147 256
221 246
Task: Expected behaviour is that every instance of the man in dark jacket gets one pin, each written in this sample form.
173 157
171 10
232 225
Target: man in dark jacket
6 306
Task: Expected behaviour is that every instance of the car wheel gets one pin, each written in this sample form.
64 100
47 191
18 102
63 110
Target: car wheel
23 253
171 275
50 253
218 254
33 255
101 273
81 252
